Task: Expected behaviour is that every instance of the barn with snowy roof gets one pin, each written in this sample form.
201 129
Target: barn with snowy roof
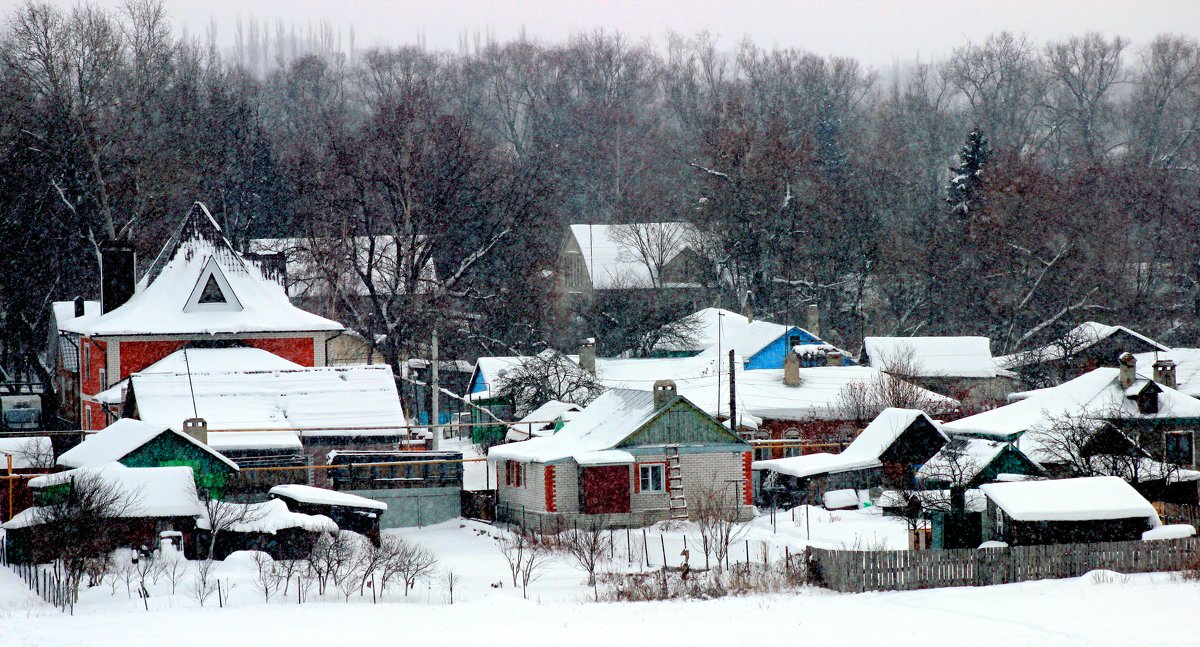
631 458
198 293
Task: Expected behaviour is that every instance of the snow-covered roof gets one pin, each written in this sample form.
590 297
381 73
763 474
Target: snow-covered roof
309 263
204 287
540 421
973 500
589 436
322 496
64 314
153 491
862 453
614 263
961 459
226 441
1187 367
710 325
1078 499
27 452
352 400
204 360
117 440
270 517
935 356
1096 394
1081 337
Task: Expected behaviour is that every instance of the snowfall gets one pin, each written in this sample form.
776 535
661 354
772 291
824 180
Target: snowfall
1100 608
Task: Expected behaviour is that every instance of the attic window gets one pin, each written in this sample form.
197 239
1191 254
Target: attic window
212 292
1147 401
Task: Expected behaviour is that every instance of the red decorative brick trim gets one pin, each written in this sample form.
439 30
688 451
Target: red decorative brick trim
551 490
747 459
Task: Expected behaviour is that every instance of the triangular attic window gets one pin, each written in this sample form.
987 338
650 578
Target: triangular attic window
212 292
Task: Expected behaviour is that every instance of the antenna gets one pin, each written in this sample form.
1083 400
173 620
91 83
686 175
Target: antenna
187 365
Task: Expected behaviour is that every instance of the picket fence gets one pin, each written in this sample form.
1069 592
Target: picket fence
858 571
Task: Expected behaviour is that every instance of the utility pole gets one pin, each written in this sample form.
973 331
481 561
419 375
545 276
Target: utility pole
435 442
732 394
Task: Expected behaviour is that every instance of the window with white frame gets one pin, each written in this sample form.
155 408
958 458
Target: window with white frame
651 477
792 444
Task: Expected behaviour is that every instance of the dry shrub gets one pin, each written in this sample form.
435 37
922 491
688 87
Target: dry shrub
1191 570
670 584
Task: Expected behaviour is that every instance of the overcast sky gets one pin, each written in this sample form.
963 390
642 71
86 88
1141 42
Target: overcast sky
877 32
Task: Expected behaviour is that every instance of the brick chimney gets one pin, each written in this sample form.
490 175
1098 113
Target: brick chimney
118 275
1164 373
1128 366
834 358
587 355
197 428
791 369
664 392
813 319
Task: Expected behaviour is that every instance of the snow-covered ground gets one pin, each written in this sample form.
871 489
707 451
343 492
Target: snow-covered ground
1093 610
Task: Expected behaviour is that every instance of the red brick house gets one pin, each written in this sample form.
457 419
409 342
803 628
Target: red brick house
198 293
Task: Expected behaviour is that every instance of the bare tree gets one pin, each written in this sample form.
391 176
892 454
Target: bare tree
222 516
718 514
267 578
526 555
588 547
204 582
549 375
894 386
415 562
77 529
653 245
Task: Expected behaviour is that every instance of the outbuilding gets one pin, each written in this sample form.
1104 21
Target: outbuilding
1079 510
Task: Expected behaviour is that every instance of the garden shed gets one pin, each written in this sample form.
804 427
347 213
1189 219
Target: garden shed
1078 510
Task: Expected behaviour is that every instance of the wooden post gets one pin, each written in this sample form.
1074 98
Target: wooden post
646 546
662 540
628 547
732 393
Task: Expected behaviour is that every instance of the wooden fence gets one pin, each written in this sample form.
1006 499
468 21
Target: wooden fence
1178 513
858 571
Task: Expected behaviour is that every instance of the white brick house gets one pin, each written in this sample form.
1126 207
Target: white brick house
632 458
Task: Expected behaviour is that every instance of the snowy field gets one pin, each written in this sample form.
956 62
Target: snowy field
1092 610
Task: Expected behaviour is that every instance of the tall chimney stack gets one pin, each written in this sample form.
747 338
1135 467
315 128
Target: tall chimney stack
1164 373
1128 366
587 355
791 369
118 269
196 428
664 392
813 316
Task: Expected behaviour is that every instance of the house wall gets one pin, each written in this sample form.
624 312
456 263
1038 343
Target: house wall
772 356
415 506
168 449
701 468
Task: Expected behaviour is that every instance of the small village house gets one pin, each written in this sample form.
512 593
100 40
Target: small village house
1127 422
269 526
22 456
971 462
886 454
1088 346
1077 510
160 499
631 458
620 258
958 367
134 443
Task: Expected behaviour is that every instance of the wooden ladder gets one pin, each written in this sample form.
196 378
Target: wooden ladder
675 494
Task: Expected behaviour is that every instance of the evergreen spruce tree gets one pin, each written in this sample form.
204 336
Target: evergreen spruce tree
963 193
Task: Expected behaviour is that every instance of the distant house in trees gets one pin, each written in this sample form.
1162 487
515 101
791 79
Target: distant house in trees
1087 346
960 367
1078 510
760 344
632 457
886 454
641 256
